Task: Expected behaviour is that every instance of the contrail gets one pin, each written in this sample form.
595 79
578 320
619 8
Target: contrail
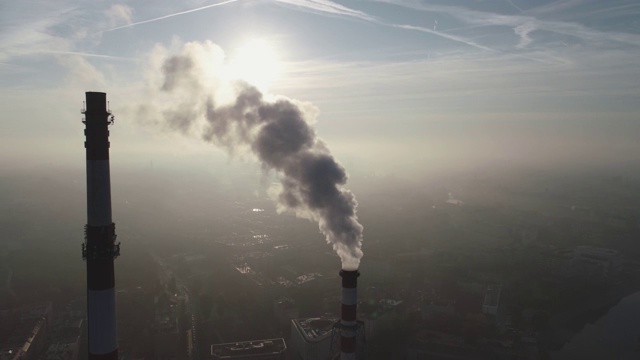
443 35
171 15
515 6
322 6
277 132
88 55
330 7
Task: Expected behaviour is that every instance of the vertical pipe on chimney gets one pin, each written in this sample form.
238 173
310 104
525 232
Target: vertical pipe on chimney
99 248
348 314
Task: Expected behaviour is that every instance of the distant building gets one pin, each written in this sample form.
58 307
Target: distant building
555 263
453 201
311 338
593 261
24 331
442 346
66 338
169 342
491 300
58 351
190 343
166 343
285 310
270 349
31 346
432 309
383 315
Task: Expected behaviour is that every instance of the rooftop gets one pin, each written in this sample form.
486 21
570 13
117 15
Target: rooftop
285 303
315 329
492 295
372 311
58 351
596 251
243 349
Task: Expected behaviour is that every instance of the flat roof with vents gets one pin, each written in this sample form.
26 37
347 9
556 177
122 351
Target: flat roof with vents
254 349
315 329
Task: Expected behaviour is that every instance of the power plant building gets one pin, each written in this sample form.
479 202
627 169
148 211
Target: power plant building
270 349
311 339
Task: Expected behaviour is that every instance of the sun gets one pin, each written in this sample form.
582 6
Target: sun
257 63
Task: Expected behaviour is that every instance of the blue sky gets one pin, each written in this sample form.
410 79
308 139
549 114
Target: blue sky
409 83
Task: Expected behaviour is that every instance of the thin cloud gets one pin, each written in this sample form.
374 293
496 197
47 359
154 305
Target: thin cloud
171 15
611 12
326 6
84 54
573 29
333 9
556 6
479 18
330 7
443 35
447 82
22 38
479 46
523 32
515 6
120 13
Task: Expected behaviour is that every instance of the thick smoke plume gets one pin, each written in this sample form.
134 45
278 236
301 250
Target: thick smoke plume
277 131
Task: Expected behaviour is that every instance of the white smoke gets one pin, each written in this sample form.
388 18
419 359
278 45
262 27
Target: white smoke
186 88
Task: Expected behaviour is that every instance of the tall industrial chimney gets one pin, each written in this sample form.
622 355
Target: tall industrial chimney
348 320
99 248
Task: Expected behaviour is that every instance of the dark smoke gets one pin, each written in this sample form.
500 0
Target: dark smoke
279 135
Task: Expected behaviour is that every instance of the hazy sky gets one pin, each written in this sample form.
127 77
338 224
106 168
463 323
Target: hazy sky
403 83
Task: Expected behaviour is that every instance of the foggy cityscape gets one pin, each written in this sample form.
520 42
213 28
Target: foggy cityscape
316 179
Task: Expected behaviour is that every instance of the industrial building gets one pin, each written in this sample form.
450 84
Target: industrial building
596 261
67 351
311 338
285 309
24 331
492 299
327 338
269 349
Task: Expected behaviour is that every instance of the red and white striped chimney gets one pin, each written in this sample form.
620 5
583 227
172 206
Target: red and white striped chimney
99 248
348 314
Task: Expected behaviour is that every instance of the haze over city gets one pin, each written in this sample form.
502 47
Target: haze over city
475 161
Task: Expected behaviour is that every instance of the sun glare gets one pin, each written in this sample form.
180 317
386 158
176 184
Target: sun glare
257 63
